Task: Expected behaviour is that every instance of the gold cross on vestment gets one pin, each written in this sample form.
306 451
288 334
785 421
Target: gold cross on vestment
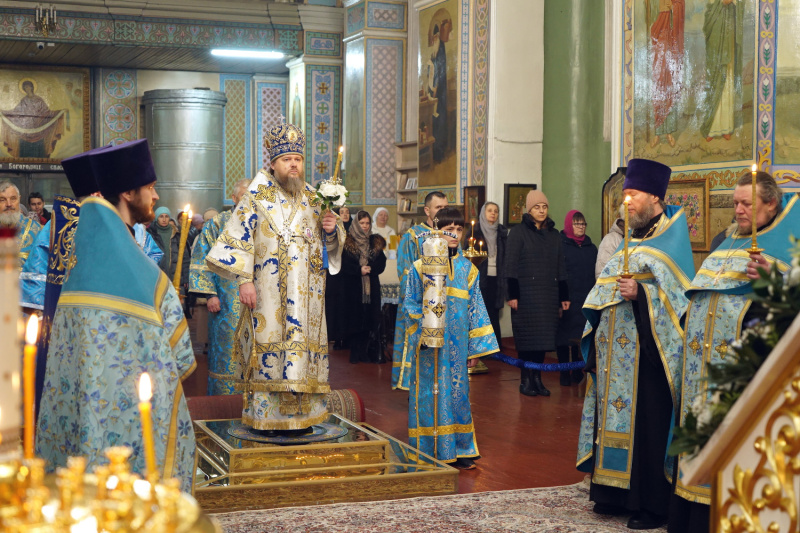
623 341
619 404
722 349
694 345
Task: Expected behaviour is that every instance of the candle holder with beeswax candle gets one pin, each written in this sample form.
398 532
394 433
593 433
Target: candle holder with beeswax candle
626 273
754 249
187 220
471 252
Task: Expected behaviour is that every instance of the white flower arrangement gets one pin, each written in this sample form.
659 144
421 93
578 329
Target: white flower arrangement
332 193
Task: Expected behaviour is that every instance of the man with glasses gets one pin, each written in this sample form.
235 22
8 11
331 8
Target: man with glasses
11 217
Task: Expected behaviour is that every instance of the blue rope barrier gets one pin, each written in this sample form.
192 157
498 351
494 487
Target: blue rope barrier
544 367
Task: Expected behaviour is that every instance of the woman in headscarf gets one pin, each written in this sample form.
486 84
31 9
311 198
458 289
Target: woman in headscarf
492 280
335 319
168 238
580 256
380 227
363 261
537 287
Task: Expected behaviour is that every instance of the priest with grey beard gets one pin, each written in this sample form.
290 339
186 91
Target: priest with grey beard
11 216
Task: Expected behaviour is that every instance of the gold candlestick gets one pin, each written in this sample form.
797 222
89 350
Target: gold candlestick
754 249
29 377
626 252
338 165
176 280
145 393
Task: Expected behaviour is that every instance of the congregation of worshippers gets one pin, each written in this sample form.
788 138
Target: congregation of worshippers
287 276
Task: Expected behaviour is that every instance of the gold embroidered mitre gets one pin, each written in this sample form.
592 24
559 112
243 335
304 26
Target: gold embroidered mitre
284 139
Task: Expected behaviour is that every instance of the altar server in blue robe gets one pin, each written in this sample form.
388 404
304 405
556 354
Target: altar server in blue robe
408 251
718 308
118 316
632 346
439 413
224 308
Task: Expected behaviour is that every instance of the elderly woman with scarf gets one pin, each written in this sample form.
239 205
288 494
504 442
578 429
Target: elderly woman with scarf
580 256
381 217
492 270
168 238
537 287
363 261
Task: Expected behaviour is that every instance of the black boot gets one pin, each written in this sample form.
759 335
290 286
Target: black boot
563 357
577 374
525 383
537 385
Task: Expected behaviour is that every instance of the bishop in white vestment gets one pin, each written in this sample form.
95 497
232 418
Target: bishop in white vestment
277 245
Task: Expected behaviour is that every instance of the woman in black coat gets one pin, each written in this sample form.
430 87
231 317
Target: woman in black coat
580 256
335 314
492 270
363 261
537 287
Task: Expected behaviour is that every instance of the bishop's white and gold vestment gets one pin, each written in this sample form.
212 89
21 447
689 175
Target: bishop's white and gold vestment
276 241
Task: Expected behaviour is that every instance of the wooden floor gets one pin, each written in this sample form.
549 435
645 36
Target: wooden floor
524 442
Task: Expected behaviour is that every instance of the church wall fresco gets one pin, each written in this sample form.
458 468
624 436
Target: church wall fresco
438 90
677 106
463 157
44 113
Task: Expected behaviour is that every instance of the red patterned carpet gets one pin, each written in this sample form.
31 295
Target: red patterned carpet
549 509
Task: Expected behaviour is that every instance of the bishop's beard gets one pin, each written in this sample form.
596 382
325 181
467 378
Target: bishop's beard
291 185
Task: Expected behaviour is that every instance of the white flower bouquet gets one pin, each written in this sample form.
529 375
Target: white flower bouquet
332 193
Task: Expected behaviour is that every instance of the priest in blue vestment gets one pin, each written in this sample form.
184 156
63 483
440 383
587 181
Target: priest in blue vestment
631 344
719 306
118 316
224 308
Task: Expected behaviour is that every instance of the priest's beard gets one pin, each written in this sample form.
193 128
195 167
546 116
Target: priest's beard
291 185
141 213
640 220
8 219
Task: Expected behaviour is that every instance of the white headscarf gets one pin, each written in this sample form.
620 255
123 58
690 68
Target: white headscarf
375 215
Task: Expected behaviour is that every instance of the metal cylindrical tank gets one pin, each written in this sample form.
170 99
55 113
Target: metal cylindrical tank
184 128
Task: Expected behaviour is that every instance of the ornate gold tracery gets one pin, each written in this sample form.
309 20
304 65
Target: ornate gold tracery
776 473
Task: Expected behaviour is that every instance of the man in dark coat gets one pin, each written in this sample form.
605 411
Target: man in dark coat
536 278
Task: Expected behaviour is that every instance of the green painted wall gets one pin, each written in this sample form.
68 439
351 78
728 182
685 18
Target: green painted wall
575 159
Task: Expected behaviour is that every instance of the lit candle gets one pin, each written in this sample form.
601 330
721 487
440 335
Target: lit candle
145 393
29 376
176 280
480 246
338 164
627 238
753 211
472 235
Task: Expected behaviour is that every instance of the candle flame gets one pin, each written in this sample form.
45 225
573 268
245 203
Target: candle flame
186 209
628 199
341 149
145 388
32 331
473 222
754 168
